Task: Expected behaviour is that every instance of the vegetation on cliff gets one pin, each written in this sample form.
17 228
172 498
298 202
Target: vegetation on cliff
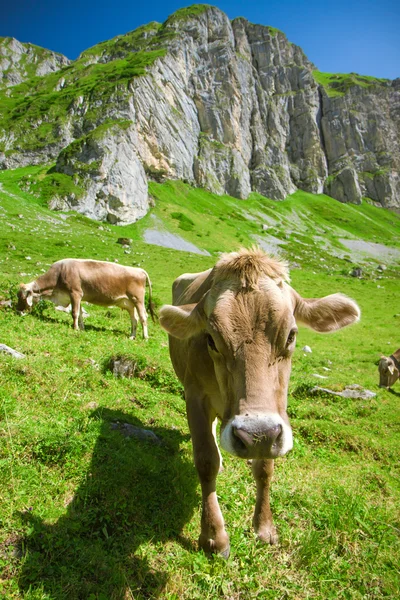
37 110
337 84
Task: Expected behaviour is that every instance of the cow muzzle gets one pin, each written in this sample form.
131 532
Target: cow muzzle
257 436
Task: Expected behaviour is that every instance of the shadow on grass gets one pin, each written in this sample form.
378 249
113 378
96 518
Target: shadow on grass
51 316
45 310
391 391
135 493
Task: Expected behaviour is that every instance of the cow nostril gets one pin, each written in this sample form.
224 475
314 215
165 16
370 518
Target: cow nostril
245 437
252 438
270 435
276 432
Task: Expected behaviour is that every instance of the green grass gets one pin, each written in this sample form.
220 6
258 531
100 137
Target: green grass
87 513
194 10
337 84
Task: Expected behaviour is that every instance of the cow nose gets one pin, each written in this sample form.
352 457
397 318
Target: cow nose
258 438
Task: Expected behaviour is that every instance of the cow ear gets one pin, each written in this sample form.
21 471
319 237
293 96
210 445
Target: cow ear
391 369
182 321
326 314
29 298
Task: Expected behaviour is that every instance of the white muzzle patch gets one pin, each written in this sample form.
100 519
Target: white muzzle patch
258 426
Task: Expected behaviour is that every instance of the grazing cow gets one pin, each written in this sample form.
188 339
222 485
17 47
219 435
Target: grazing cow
389 369
71 280
232 331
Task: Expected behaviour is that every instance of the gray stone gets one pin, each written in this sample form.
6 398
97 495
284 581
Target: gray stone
8 350
129 431
356 272
170 240
351 391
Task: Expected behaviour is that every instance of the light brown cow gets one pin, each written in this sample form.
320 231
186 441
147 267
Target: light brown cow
232 331
71 280
389 369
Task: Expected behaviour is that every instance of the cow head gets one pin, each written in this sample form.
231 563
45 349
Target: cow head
246 325
388 372
25 298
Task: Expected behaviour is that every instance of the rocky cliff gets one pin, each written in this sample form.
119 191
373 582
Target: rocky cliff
19 62
229 106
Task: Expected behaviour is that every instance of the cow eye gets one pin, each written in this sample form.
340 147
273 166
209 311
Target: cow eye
291 337
211 343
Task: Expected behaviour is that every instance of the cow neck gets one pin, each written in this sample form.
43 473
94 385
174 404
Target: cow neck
396 362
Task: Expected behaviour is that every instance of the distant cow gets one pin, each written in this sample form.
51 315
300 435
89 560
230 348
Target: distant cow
71 280
389 369
232 331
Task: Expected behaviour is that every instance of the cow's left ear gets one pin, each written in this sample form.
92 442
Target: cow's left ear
326 314
182 321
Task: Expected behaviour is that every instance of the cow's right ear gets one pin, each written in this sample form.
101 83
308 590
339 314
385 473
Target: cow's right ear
29 298
182 321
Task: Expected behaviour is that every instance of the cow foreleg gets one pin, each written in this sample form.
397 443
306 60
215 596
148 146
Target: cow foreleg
80 318
133 315
76 309
213 537
143 319
262 519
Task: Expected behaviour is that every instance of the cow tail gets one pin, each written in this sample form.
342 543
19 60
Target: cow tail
151 306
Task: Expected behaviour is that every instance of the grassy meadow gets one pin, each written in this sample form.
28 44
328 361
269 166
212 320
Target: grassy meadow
87 513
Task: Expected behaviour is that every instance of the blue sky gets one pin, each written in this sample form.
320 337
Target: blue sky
340 37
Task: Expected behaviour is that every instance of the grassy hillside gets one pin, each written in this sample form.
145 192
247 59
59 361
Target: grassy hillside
88 513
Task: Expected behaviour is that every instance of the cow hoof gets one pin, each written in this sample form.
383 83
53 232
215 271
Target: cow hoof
211 547
225 553
268 536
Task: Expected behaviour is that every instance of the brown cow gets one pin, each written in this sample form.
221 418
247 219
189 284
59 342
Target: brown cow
71 280
232 331
389 369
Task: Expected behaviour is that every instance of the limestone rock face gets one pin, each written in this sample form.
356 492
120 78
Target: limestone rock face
361 135
107 167
344 186
229 106
19 61
233 107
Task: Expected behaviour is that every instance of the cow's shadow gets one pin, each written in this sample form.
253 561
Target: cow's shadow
394 392
135 497
49 314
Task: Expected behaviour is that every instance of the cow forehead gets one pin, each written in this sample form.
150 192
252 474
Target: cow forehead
268 307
